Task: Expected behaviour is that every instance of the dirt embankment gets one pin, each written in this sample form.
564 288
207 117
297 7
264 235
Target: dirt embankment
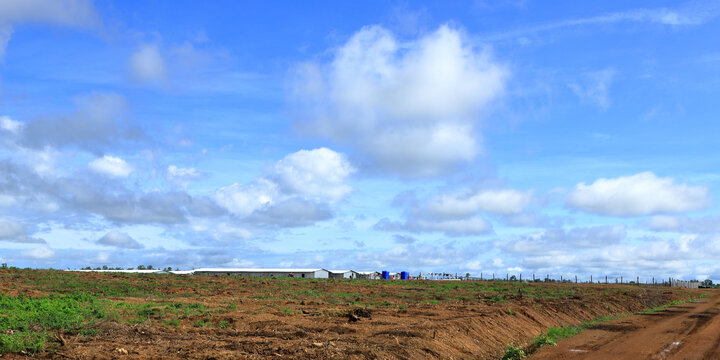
410 320
686 331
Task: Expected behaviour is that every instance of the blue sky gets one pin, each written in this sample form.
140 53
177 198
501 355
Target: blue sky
514 136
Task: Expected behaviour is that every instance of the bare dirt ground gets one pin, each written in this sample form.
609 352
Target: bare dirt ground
200 317
686 331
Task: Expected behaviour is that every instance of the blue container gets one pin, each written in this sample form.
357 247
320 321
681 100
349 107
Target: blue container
386 275
403 275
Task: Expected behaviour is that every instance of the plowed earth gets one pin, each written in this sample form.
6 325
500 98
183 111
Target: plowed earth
258 318
687 331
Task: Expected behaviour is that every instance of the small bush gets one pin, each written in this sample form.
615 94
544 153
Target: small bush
513 353
543 340
172 323
200 323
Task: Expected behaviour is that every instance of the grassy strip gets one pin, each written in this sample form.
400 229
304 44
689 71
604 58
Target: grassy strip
676 302
27 324
554 333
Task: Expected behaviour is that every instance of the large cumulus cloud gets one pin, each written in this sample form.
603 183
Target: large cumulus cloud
408 107
297 192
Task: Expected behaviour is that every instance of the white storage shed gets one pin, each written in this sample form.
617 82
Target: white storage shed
300 273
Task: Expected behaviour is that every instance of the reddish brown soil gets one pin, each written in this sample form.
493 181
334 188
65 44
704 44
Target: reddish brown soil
468 327
687 331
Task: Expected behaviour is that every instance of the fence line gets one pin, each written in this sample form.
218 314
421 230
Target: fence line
691 284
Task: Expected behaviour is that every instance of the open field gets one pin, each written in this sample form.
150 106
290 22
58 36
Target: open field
56 314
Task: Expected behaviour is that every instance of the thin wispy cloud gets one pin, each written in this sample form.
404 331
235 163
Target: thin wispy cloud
692 15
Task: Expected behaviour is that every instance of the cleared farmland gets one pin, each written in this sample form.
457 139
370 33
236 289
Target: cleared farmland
56 314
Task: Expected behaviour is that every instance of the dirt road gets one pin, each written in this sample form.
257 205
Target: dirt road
686 331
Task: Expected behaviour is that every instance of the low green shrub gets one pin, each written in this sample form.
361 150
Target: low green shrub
513 353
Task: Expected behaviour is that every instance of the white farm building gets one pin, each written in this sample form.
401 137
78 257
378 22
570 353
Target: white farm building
344 274
300 273
133 271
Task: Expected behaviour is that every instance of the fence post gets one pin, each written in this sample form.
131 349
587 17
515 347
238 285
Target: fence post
520 277
638 280
480 276
621 279
606 279
533 277
591 279
576 279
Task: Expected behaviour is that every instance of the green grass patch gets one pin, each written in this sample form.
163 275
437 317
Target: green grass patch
27 323
676 302
174 323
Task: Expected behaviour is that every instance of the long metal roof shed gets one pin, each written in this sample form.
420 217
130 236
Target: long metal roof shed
153 271
304 273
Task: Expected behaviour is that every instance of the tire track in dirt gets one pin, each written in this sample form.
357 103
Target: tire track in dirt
687 331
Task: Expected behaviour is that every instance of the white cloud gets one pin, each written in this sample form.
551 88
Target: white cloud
553 240
99 121
177 172
235 262
500 201
468 226
111 166
242 200
297 192
698 225
14 231
183 175
58 12
456 213
147 65
402 239
640 194
664 222
11 229
435 254
119 240
474 225
10 125
318 174
39 253
695 14
6 32
411 108
73 13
